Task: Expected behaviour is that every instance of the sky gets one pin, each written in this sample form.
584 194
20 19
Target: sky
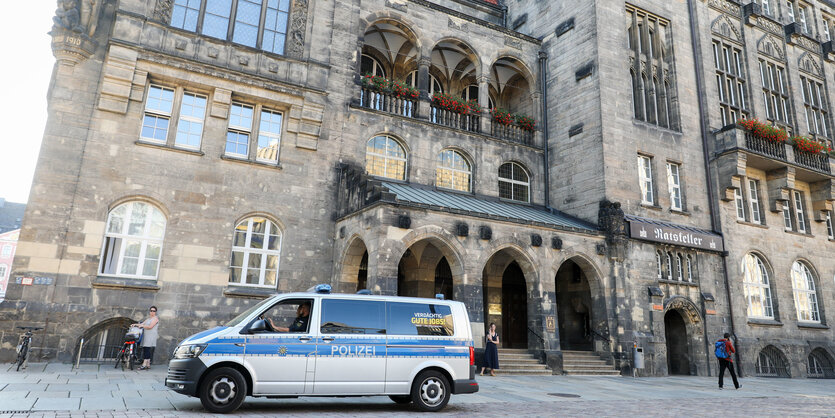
24 77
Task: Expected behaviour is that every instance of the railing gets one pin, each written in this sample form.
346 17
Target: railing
542 340
511 132
764 146
387 102
819 162
469 122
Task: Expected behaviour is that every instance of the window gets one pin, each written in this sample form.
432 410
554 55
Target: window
369 65
269 136
471 93
814 106
798 210
7 251
453 172
754 200
434 84
829 232
419 319
637 100
740 204
240 127
190 124
353 317
674 183
669 266
805 296
772 362
826 25
730 81
801 13
775 92
133 241
766 7
258 24
659 265
256 249
514 183
652 72
790 11
689 269
291 316
244 128
158 105
679 268
787 216
645 180
757 287
3 269
385 157
819 364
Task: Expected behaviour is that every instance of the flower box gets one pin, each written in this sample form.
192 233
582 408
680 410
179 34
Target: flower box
763 131
455 104
809 145
386 86
502 117
525 122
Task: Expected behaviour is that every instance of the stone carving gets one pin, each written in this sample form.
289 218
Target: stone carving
725 6
723 26
611 220
807 44
457 25
685 306
808 64
298 27
73 26
771 46
397 6
68 16
513 43
769 25
162 11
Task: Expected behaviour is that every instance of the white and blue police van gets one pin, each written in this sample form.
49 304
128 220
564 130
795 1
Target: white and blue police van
321 344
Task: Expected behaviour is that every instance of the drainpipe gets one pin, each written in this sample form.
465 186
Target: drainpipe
714 212
543 72
504 16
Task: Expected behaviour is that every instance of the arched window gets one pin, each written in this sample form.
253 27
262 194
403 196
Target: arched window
667 106
819 365
434 84
471 93
805 296
514 183
669 266
679 268
689 269
757 287
133 241
772 362
256 248
659 265
660 104
453 172
649 99
369 65
637 103
385 157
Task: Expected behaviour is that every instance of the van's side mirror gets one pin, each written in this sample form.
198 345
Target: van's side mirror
259 325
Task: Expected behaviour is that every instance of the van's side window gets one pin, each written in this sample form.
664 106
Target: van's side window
353 317
419 319
289 316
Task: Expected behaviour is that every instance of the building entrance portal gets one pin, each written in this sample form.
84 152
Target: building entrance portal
574 308
424 271
678 357
514 308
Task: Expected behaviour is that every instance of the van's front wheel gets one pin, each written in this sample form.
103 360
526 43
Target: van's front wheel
430 391
223 390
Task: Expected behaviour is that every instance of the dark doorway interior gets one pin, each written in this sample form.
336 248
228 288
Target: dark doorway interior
362 274
574 308
443 279
514 308
678 357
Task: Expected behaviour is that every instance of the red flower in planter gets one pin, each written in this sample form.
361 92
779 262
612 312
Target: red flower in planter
452 104
525 122
502 117
809 145
763 131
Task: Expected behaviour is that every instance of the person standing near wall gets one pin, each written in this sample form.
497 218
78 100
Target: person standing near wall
491 351
724 349
149 337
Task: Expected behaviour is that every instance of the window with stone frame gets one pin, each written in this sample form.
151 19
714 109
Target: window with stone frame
828 221
794 213
730 81
675 187
133 240
385 157
514 182
826 27
253 133
260 24
670 266
659 265
256 253
754 201
765 5
645 180
454 171
757 287
775 92
166 104
651 68
739 203
805 294
814 106
6 251
690 266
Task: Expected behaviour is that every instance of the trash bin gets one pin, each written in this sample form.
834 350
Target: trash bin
638 357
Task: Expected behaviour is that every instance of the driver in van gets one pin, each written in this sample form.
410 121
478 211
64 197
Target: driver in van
299 324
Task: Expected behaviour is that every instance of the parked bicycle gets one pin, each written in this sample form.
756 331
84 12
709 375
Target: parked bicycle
23 344
128 355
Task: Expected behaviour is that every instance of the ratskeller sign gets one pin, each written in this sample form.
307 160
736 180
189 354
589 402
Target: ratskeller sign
675 236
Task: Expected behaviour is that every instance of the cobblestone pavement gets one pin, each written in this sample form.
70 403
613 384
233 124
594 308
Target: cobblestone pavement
55 390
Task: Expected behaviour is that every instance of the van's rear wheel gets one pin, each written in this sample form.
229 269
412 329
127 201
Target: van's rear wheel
223 390
430 391
401 398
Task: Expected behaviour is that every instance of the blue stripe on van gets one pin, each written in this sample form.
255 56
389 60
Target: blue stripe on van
394 341
426 352
224 349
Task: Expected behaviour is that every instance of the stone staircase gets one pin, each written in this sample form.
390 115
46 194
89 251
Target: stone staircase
513 361
584 363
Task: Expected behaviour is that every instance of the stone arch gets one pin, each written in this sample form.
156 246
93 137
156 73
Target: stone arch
724 27
402 22
513 157
771 46
432 232
807 64
350 264
683 351
580 305
523 68
152 198
97 344
519 248
771 362
820 364
398 258
455 72
393 41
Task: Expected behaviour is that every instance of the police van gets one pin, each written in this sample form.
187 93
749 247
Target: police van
321 344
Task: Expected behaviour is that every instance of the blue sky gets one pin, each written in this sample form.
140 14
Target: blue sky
24 78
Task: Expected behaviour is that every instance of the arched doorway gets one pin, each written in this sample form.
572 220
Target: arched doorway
362 273
426 269
506 280
443 279
353 275
574 308
678 353
514 307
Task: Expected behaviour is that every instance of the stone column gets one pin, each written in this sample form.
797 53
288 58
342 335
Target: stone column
484 102
382 274
423 86
536 113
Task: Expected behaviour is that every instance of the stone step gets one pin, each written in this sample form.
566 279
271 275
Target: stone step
519 356
544 372
523 366
581 362
513 350
568 366
592 372
521 361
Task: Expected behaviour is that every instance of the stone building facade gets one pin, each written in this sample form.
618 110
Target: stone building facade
202 155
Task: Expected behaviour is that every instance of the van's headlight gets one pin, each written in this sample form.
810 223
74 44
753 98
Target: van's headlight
189 351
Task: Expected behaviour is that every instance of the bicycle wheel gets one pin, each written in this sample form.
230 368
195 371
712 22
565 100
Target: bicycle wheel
21 356
131 358
119 356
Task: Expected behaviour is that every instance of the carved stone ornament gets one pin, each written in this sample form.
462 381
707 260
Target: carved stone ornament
298 28
686 307
162 11
771 46
725 6
807 44
726 28
769 25
808 64
74 24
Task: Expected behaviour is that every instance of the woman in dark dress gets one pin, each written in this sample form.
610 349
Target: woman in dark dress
491 352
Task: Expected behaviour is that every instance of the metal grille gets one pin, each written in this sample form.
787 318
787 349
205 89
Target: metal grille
177 374
771 362
819 365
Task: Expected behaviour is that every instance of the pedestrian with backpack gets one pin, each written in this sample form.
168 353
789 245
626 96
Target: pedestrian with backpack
724 349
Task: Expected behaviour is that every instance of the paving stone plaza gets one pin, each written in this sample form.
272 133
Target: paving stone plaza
56 390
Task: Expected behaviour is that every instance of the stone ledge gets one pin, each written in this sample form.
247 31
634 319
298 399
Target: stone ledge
812 325
169 148
251 162
107 282
765 322
694 284
752 224
248 292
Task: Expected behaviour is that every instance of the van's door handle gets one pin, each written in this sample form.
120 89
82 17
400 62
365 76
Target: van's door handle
240 344
327 339
305 339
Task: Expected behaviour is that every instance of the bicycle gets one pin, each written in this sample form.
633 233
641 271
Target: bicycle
127 355
23 344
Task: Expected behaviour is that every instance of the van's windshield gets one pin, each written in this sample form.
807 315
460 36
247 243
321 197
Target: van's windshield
238 319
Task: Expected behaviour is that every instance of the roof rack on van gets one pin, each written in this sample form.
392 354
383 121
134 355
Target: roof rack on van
320 288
